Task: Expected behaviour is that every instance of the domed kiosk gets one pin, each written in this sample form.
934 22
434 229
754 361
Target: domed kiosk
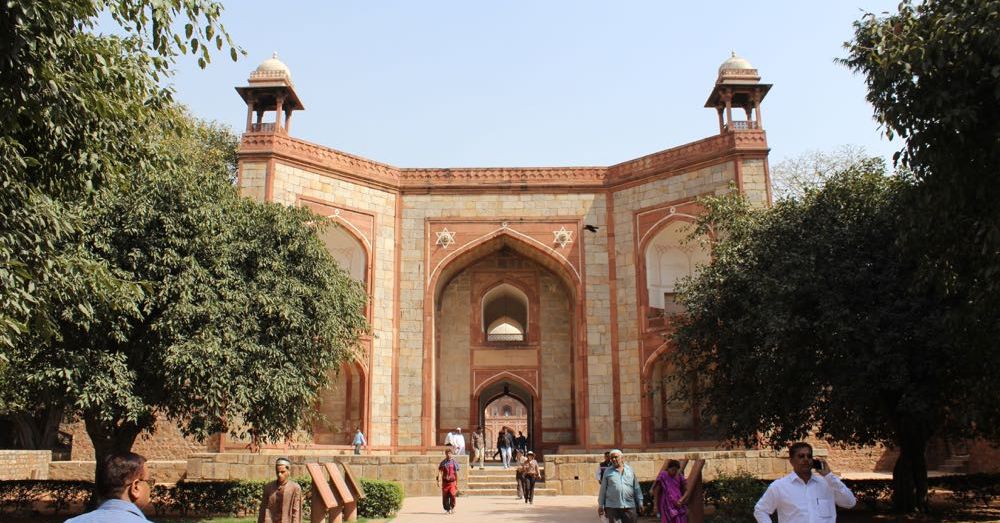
270 89
738 85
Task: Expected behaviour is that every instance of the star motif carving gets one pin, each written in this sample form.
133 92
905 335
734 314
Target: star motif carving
563 237
445 238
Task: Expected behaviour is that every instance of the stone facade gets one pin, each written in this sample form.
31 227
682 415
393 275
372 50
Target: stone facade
25 464
437 239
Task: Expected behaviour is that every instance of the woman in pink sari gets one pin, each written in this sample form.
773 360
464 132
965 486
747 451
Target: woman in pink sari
670 491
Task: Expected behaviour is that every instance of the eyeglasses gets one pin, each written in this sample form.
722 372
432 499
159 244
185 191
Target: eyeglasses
151 482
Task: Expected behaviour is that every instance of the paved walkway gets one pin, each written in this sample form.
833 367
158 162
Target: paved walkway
487 509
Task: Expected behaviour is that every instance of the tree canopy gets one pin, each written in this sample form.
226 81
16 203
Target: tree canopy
814 314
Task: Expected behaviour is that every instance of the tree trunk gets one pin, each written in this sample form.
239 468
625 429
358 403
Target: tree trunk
108 440
38 430
909 476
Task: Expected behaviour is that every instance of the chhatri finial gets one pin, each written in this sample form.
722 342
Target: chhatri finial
275 55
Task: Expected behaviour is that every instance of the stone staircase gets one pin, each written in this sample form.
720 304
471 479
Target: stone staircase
495 481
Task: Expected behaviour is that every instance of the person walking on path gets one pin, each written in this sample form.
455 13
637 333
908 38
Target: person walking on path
804 495
282 500
123 482
359 441
506 445
620 496
602 466
521 442
670 492
447 479
519 460
478 448
458 441
529 475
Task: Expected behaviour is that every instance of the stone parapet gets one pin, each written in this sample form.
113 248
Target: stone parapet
415 472
24 464
162 471
575 474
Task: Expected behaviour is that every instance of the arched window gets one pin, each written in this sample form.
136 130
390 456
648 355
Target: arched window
346 250
505 314
669 258
506 410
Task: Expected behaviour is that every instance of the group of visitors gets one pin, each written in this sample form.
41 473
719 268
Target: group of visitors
508 444
811 492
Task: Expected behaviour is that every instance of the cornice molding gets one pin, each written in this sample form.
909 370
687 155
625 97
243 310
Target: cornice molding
337 163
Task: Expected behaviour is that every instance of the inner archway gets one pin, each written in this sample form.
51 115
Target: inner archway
506 403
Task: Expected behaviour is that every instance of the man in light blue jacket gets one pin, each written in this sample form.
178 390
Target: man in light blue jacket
620 497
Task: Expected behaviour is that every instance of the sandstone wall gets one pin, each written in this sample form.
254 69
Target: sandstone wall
575 474
166 443
162 471
675 189
754 181
24 464
454 357
557 363
291 183
416 473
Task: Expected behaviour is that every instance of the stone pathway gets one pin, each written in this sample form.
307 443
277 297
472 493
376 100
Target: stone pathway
506 509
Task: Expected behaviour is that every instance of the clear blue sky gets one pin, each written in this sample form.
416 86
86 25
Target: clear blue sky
540 83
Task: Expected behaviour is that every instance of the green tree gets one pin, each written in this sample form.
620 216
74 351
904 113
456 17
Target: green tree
244 312
815 314
933 76
74 107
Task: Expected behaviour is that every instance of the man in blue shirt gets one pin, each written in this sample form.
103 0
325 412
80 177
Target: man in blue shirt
124 484
620 497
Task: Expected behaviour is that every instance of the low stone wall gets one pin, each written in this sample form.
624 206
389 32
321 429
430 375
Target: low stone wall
575 474
415 472
161 471
24 464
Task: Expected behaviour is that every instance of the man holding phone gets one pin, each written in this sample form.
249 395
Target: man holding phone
804 496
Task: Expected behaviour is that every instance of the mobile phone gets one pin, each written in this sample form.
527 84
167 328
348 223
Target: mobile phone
817 464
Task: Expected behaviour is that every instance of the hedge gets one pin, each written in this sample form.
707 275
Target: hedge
217 498
734 495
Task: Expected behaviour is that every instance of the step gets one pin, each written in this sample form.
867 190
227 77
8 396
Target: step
512 492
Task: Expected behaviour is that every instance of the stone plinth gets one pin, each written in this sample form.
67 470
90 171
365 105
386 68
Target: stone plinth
162 471
24 464
575 474
415 472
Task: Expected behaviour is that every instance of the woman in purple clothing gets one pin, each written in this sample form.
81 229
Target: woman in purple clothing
670 492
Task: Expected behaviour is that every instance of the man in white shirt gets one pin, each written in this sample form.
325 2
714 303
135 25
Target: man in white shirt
804 496
458 441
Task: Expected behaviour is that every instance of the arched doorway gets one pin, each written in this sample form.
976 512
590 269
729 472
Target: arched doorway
506 403
344 403
505 310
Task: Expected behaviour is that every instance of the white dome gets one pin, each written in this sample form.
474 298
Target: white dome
735 62
272 67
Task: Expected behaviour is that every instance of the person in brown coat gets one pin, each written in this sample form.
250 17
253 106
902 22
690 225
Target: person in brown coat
282 501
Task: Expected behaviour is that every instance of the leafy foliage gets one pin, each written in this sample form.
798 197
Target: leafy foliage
383 499
734 495
815 313
75 108
793 177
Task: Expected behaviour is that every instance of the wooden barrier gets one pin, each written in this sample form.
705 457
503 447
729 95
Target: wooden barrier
335 496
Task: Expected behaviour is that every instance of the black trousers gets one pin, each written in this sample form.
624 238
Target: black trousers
528 486
622 515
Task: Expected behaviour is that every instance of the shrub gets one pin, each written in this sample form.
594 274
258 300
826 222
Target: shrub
216 498
734 495
382 498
